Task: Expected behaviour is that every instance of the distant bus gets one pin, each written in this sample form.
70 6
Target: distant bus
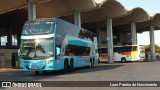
122 53
49 44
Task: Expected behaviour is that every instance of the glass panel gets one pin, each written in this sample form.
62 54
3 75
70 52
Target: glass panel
134 48
37 28
74 50
103 51
3 40
14 39
36 49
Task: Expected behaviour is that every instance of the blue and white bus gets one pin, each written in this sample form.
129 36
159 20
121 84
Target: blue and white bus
49 44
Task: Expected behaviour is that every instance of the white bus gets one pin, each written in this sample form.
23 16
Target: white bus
122 53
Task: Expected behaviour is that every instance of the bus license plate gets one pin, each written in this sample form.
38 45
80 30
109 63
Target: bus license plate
34 67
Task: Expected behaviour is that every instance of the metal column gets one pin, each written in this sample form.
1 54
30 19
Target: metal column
9 37
133 34
77 18
98 37
18 39
31 10
152 43
110 40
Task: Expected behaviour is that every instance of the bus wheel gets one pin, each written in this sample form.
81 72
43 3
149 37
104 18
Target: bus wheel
123 60
36 72
91 63
71 65
65 65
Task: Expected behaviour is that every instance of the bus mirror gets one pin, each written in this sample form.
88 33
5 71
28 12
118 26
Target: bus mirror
18 52
57 50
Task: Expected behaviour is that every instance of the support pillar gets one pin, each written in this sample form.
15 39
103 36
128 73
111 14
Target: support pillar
18 39
98 37
152 43
31 10
133 34
77 18
9 37
110 40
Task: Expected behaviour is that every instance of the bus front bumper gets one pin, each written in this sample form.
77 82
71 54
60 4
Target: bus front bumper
37 65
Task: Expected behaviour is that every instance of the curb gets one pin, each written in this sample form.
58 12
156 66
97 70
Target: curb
6 69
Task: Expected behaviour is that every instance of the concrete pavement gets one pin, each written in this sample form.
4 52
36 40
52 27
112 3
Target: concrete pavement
131 71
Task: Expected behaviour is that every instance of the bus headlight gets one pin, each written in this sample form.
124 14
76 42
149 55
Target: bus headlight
48 62
23 63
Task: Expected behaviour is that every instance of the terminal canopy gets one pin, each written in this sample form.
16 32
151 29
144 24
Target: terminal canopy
8 5
155 20
134 15
93 15
109 8
52 8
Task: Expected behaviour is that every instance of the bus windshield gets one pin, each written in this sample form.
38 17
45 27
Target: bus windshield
38 27
102 51
36 49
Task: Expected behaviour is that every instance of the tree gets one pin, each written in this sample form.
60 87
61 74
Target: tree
157 48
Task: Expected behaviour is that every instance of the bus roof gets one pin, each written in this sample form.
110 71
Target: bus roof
119 46
55 19
41 19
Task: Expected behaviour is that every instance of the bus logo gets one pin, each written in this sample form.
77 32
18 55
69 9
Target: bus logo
6 84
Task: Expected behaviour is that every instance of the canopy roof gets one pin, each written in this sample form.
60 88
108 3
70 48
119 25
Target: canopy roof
92 14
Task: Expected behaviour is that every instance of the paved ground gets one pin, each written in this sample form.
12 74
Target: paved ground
132 71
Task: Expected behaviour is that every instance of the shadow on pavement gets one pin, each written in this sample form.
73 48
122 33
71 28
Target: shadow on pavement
30 76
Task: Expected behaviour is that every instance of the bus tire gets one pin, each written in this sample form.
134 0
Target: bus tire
36 72
91 63
71 65
66 65
123 60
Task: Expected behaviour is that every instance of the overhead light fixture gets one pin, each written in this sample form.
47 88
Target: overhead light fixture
98 1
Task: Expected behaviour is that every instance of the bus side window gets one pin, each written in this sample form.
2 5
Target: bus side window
134 48
123 49
99 52
70 50
119 50
129 49
126 49
66 52
115 49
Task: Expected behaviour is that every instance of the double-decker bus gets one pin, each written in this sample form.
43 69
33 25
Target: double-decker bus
49 44
122 53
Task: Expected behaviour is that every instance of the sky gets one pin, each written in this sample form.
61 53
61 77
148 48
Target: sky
152 7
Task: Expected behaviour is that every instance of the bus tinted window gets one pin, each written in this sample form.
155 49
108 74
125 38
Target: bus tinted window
115 49
74 50
102 51
125 49
37 28
134 48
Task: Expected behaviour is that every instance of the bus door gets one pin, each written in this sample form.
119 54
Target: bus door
103 54
117 53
